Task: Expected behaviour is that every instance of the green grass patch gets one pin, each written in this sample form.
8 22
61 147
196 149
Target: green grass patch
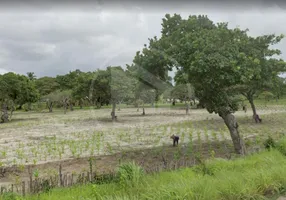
253 177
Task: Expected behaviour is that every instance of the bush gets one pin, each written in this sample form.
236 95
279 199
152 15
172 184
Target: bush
10 196
130 174
281 145
269 143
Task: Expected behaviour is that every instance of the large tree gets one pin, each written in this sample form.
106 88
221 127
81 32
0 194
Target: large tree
214 60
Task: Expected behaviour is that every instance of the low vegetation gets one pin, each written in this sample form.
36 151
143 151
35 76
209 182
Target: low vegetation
257 176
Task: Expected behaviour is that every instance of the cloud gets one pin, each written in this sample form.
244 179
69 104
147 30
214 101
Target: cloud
56 40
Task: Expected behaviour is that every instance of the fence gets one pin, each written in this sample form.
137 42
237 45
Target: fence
36 185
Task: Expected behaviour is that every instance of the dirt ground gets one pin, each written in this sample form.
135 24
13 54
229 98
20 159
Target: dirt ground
44 140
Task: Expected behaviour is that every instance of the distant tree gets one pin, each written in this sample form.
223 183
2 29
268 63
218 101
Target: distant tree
266 68
99 88
15 89
81 91
145 94
68 81
279 88
120 86
184 92
151 66
46 85
58 97
31 76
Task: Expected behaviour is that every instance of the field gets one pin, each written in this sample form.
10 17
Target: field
43 140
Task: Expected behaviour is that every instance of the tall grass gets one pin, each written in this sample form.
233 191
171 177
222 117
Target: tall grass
252 177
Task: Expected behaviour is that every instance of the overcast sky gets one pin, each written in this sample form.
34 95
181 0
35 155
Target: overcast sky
54 39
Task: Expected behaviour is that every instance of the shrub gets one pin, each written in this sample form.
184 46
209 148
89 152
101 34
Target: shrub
269 143
129 174
281 145
10 196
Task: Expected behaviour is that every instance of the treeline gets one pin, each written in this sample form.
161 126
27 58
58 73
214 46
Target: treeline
215 64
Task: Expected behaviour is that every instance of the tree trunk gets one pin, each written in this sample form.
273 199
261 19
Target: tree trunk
13 108
50 106
65 106
187 108
113 117
232 126
5 115
143 113
174 102
71 107
255 116
119 106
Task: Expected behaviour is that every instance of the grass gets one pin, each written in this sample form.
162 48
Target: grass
258 176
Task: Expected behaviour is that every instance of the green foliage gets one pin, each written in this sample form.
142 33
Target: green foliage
68 81
57 96
279 87
281 145
15 90
184 92
81 89
129 174
145 94
10 196
46 85
269 143
150 67
120 84
267 95
216 58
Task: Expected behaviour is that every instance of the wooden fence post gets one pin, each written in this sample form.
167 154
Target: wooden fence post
31 180
88 176
23 188
65 180
60 175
